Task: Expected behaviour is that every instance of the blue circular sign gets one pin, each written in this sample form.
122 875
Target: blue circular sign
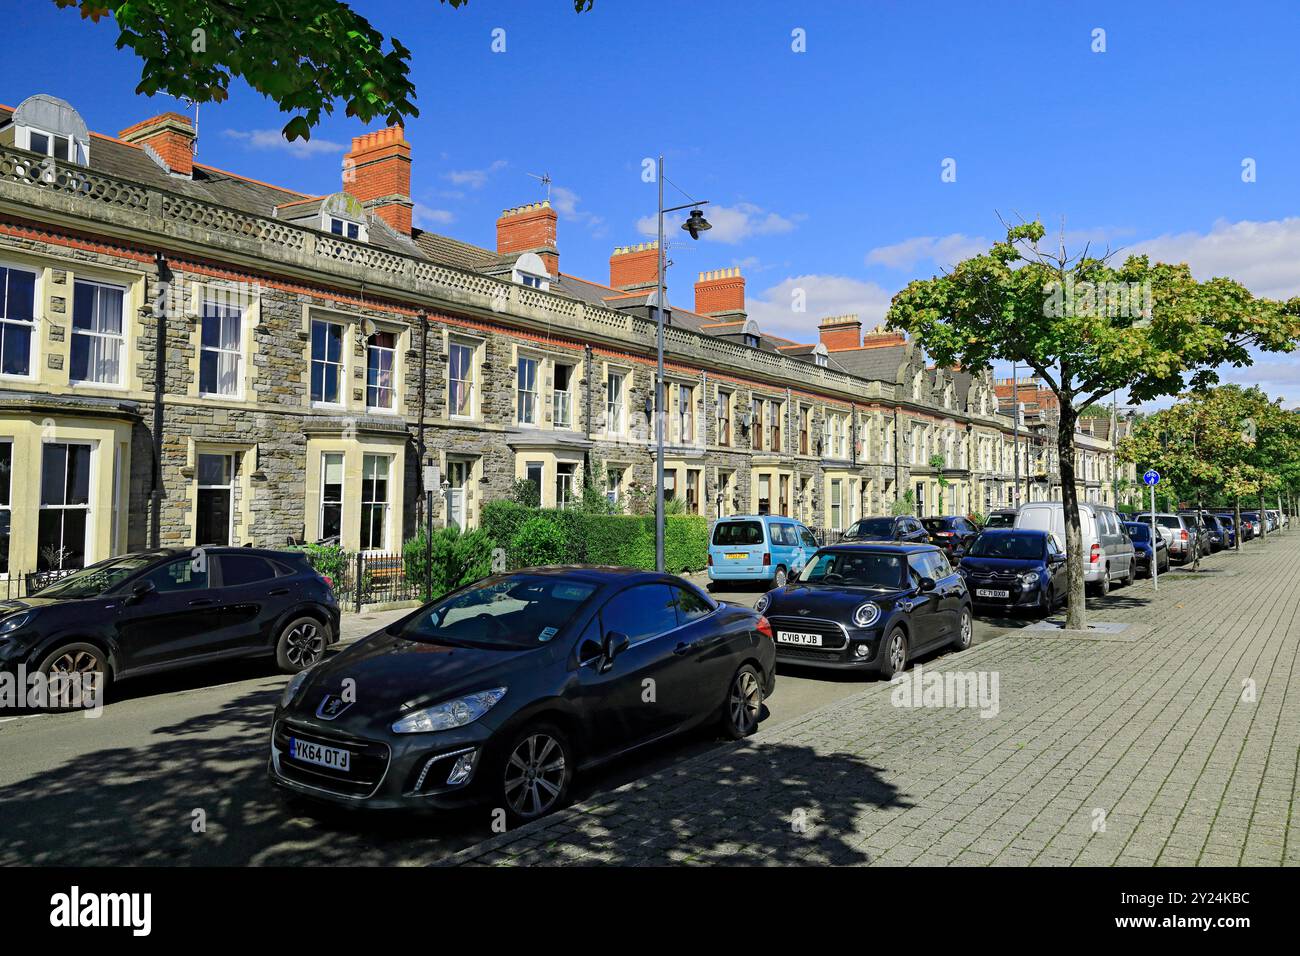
1151 477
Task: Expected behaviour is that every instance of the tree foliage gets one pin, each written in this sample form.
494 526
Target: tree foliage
303 55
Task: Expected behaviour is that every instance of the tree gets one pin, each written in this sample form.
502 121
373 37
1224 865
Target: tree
1087 328
937 462
301 54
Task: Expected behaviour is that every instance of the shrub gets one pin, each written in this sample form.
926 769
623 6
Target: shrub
330 560
539 541
526 493
905 505
458 559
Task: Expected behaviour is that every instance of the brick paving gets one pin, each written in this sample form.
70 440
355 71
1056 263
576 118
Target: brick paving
1104 752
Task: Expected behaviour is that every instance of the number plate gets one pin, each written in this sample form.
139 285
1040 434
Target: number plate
990 592
739 557
331 757
798 637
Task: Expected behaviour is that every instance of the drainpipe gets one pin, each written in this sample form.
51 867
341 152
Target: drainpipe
421 501
898 490
159 388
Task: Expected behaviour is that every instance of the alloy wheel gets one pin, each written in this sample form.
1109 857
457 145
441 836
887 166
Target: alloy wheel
966 631
897 652
75 661
304 645
534 778
745 702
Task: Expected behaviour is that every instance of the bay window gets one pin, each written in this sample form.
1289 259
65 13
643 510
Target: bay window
374 502
64 506
331 495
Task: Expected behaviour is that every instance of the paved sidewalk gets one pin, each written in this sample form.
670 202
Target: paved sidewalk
1104 751
353 626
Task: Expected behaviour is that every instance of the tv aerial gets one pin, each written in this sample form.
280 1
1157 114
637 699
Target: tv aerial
545 180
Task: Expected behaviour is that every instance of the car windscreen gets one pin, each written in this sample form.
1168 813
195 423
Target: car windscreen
1000 521
872 527
938 524
96 579
1019 547
1169 521
513 612
862 569
737 533
1137 531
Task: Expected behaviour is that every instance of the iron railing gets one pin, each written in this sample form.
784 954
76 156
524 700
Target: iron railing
25 584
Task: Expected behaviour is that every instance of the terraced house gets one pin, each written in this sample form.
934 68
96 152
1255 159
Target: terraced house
188 356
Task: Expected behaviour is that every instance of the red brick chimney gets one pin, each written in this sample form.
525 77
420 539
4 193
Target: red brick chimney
634 267
880 338
378 172
168 138
840 331
530 228
720 292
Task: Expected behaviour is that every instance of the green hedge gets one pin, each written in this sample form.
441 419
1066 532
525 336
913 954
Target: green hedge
574 536
458 559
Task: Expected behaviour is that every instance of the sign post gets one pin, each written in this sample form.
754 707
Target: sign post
1151 478
430 479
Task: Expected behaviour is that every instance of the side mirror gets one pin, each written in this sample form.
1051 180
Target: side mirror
614 644
139 590
927 584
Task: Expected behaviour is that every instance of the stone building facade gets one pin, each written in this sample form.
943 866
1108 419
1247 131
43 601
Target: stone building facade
188 356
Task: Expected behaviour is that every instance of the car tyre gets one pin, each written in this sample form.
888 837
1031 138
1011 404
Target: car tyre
300 645
1103 586
535 772
781 576
77 657
1048 602
1128 575
743 707
895 653
965 631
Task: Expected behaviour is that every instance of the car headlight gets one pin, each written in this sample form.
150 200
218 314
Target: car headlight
450 713
1029 578
13 623
762 604
867 614
293 687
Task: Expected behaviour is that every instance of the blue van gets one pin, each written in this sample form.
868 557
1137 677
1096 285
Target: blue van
758 548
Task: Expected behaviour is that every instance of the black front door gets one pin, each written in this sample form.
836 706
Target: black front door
178 619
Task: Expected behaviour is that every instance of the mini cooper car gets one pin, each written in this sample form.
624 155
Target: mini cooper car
503 689
869 607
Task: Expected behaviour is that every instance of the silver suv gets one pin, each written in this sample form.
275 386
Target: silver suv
1182 534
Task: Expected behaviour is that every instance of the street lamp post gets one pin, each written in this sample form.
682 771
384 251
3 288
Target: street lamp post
695 224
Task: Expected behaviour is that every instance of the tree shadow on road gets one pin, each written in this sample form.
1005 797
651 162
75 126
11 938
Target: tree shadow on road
756 803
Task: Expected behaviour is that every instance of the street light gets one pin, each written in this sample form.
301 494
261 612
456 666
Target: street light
695 224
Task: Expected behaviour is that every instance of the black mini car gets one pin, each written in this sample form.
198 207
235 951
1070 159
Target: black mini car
156 610
502 690
869 607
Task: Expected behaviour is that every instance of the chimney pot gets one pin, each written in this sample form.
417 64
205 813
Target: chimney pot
380 165
169 138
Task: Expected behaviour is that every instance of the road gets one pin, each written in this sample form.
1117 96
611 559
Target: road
173 773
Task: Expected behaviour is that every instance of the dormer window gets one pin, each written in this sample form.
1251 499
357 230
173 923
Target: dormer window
751 340
529 270
342 214
533 282
344 227
50 126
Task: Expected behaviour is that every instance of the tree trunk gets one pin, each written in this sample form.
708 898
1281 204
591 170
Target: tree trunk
1238 525
1076 616
1263 518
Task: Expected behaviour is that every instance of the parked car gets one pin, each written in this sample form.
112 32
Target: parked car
758 548
1012 568
869 607
1146 550
1256 523
1229 530
905 528
953 533
1182 535
1002 518
1247 529
152 611
502 690
1274 518
1108 554
1219 538
1203 535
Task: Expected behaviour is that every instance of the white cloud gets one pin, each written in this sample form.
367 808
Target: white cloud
426 217
943 251
474 178
1262 256
731 224
822 296
273 139
568 205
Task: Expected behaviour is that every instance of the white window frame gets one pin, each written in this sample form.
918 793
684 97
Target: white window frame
615 408
387 503
6 505
228 488
724 418
324 471
329 219
88 557
78 153
526 399
392 369
32 338
565 402
566 481
470 383
120 337
341 364
223 303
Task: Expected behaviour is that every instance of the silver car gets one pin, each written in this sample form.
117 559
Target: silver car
1108 554
1181 534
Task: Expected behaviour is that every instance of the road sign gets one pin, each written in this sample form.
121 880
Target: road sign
1151 477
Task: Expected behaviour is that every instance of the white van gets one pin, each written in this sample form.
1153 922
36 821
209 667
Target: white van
1107 551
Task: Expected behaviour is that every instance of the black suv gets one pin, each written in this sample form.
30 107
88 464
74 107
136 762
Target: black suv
904 528
156 610
953 533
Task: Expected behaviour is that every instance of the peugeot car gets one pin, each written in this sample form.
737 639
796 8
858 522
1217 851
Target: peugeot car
869 607
153 611
502 690
1016 568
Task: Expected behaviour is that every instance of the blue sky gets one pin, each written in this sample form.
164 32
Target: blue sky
824 165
